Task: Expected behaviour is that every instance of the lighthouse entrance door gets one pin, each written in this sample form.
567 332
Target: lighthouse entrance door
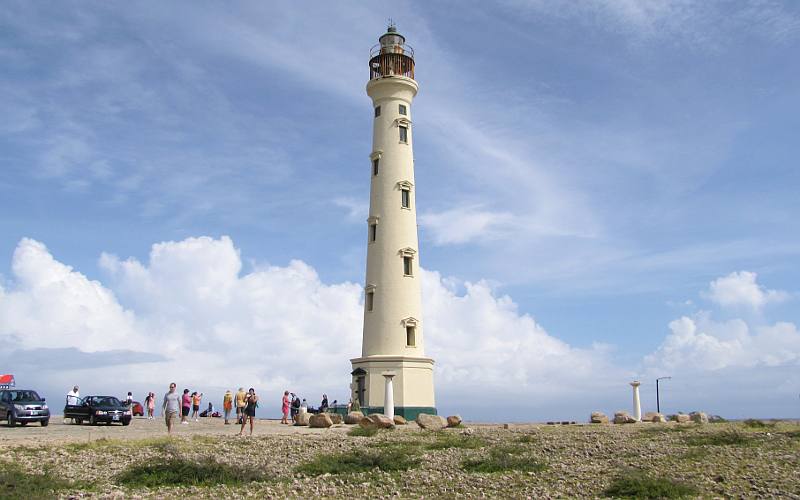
360 389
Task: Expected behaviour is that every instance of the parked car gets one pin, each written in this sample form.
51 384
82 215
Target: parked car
137 409
23 406
96 409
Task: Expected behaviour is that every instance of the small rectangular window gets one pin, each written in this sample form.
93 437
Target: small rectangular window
411 334
408 270
403 134
403 109
405 198
373 232
377 111
370 300
375 163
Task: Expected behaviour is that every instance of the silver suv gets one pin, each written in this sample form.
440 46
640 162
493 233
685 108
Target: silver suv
23 406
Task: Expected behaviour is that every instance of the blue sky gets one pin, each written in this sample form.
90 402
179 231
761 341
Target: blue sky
594 167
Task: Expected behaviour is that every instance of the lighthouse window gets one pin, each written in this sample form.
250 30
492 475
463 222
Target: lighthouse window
373 232
375 163
411 334
370 300
403 134
403 109
405 198
407 266
377 111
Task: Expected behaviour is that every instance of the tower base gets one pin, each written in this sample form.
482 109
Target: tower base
413 384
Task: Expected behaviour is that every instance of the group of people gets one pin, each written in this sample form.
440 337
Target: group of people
293 405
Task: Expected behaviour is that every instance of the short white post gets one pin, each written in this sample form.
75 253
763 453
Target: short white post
388 399
637 406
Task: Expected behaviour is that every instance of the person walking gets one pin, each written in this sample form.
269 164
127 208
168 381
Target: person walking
251 402
227 404
170 407
147 400
151 407
285 408
197 398
186 405
240 403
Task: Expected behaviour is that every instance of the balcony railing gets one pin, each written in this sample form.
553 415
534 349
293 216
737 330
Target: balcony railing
394 60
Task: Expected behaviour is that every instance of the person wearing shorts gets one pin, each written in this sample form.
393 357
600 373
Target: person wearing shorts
186 405
249 412
172 402
240 404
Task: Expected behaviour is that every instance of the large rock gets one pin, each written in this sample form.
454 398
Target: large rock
320 420
681 418
658 418
376 421
623 417
302 418
655 417
431 422
335 418
453 420
598 417
353 417
698 417
398 420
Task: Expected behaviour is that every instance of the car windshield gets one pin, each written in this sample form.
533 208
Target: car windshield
107 401
24 396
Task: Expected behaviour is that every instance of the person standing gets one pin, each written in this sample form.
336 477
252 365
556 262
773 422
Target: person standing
186 405
74 396
285 408
240 404
129 401
170 407
151 406
323 407
197 398
227 404
295 407
251 402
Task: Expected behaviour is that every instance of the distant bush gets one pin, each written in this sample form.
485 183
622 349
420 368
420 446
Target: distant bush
184 472
359 431
446 441
386 460
752 423
726 438
637 485
15 483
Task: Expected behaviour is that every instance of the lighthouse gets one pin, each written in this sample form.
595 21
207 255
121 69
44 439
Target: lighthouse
392 370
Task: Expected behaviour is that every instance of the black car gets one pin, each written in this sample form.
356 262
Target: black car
95 409
23 406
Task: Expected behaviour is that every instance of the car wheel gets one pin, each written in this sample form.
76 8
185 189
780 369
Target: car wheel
77 421
44 423
92 420
126 422
23 423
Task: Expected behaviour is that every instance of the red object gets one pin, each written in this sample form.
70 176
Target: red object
7 381
137 409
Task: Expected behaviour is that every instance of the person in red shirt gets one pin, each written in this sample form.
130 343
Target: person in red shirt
186 405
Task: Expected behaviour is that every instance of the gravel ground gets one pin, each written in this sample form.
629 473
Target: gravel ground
580 461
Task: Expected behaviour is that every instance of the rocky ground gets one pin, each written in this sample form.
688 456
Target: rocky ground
540 461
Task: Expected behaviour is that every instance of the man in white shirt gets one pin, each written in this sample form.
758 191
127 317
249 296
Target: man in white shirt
73 396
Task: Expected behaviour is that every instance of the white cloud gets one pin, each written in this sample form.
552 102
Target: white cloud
465 224
740 289
206 323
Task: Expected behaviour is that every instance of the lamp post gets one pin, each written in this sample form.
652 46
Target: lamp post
658 400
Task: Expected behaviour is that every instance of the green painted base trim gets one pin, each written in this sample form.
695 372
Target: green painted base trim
407 412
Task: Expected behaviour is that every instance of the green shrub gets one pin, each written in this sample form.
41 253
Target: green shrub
363 431
183 472
637 485
387 460
503 459
15 483
447 441
752 423
726 438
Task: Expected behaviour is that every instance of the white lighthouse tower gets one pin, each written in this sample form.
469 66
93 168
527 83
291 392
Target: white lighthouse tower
392 368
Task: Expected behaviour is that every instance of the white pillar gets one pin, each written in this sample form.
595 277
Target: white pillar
388 398
637 406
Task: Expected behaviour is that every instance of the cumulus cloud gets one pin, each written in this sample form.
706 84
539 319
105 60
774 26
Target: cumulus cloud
740 289
191 314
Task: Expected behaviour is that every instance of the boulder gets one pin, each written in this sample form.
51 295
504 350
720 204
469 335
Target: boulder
453 420
353 417
652 416
431 422
681 418
698 417
398 420
335 418
376 421
302 418
320 420
598 418
658 418
623 417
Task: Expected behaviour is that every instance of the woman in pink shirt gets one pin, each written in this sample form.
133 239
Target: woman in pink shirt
186 405
285 408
